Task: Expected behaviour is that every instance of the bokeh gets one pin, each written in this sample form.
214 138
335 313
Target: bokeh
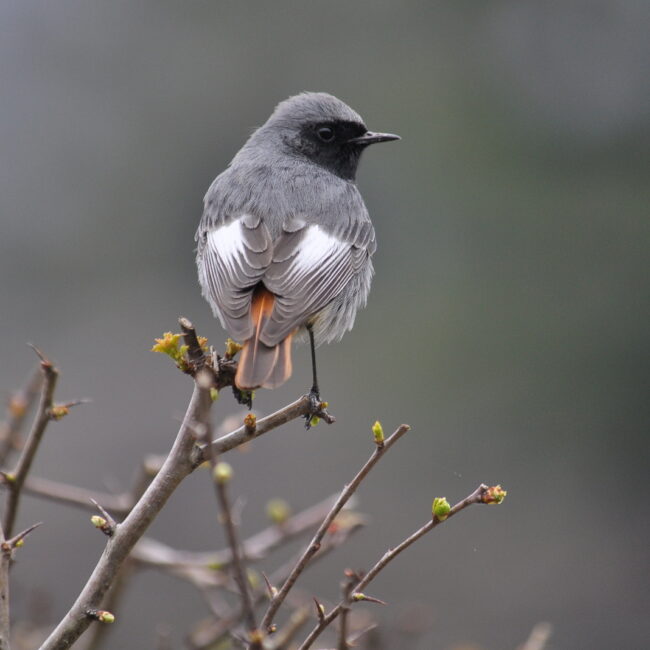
508 321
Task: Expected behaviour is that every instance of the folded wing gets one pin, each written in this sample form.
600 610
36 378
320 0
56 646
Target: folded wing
309 268
235 258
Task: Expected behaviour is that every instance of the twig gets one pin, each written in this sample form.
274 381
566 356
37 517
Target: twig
17 477
181 461
7 547
175 468
207 637
97 634
346 589
239 436
357 592
254 548
18 407
121 504
194 349
314 545
5 563
296 621
220 481
117 504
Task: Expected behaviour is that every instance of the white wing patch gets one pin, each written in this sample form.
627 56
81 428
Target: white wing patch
227 243
317 247
233 261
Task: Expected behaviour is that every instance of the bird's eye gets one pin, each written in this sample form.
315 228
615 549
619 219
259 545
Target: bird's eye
325 133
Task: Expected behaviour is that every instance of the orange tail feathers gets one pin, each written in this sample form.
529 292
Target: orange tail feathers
261 366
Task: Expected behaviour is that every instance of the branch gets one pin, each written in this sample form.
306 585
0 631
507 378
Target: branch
258 546
245 433
346 589
221 475
18 407
96 636
314 545
17 477
209 635
480 495
175 468
5 562
7 547
121 504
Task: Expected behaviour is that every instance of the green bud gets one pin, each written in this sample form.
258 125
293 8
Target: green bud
440 508
214 394
278 511
98 522
222 473
102 616
378 433
314 421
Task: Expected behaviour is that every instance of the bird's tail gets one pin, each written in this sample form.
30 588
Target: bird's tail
260 365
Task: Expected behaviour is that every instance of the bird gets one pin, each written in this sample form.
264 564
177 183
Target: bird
285 241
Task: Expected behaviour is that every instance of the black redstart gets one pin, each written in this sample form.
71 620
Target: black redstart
285 240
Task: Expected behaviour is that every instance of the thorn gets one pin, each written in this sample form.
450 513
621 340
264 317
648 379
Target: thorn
17 540
44 360
320 610
273 592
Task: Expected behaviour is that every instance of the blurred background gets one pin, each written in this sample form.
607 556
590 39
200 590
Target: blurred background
507 323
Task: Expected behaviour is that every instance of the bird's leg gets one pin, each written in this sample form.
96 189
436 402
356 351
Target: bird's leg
314 393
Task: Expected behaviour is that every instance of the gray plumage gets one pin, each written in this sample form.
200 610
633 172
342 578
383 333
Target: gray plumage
286 215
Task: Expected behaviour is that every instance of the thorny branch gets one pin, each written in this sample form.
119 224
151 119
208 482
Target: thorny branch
7 547
356 593
220 480
18 407
15 479
156 481
175 468
314 545
180 462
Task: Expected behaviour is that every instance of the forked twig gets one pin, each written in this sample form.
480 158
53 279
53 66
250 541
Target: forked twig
314 545
16 478
356 594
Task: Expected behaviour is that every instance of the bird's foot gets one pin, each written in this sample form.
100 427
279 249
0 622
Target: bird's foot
243 397
317 410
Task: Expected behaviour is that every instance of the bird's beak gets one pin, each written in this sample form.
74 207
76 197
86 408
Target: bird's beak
371 138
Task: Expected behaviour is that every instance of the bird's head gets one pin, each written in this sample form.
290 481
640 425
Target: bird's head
322 129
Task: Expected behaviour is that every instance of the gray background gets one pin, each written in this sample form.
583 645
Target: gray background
507 323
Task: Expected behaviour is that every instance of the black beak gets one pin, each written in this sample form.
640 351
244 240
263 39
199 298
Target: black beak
371 138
